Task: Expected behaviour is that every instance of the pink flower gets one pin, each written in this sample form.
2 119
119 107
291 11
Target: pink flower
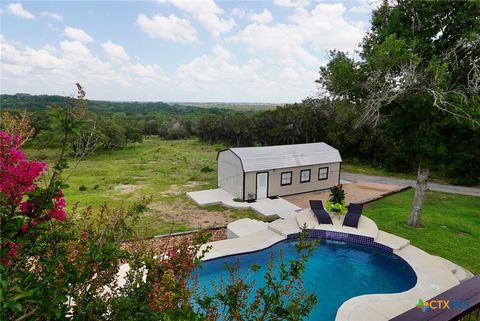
24 228
25 207
33 223
13 250
59 204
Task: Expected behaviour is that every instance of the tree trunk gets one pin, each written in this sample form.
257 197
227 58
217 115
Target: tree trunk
421 188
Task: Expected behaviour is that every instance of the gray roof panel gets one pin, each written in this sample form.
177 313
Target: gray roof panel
282 156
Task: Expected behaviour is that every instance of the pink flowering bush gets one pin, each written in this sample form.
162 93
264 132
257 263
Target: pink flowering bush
23 204
17 175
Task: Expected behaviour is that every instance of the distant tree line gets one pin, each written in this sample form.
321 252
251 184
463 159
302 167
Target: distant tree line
109 124
334 121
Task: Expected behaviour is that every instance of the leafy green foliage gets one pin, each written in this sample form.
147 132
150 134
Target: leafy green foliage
340 208
337 194
281 298
207 169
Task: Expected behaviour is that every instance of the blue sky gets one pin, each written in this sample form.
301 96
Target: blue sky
175 50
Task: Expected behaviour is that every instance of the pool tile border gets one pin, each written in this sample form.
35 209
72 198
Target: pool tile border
341 236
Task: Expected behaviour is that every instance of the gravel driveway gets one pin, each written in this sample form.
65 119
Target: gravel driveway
473 191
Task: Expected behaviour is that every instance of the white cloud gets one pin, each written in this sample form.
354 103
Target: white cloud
365 6
207 13
292 3
52 15
294 50
53 69
216 77
78 35
170 28
264 17
74 48
115 52
323 28
17 10
238 12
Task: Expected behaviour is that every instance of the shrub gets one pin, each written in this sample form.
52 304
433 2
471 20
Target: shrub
337 194
82 188
336 207
206 169
96 186
336 201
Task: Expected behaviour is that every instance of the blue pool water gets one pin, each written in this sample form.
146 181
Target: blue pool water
336 272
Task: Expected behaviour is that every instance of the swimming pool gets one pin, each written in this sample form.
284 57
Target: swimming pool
336 272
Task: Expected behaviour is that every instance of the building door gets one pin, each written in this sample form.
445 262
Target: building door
262 185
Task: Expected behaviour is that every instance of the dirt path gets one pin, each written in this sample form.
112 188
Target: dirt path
187 213
473 191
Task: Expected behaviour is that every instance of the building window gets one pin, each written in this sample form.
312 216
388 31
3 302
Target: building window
305 176
286 178
322 173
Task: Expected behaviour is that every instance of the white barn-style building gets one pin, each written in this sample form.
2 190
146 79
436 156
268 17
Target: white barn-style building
251 173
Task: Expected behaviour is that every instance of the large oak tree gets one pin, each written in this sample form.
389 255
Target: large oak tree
418 76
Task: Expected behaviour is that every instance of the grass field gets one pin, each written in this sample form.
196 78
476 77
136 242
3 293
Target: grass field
366 169
164 170
451 224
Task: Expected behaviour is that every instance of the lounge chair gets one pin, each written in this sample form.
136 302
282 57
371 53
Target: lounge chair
320 213
353 215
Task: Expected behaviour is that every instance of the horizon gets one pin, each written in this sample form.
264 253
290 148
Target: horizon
161 101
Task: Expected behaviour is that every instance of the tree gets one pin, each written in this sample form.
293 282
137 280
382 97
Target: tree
419 70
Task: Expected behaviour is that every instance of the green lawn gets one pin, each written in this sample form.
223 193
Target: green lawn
367 169
451 224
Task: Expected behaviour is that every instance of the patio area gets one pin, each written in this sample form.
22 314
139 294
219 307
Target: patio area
355 192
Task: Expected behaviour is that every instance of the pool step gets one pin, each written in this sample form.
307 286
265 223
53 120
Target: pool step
394 242
284 227
306 218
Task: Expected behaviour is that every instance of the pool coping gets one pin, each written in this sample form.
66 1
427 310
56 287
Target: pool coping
433 277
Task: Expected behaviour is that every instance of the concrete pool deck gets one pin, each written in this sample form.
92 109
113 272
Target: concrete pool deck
434 275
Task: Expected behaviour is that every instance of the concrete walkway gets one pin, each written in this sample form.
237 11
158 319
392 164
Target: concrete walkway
266 206
473 191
